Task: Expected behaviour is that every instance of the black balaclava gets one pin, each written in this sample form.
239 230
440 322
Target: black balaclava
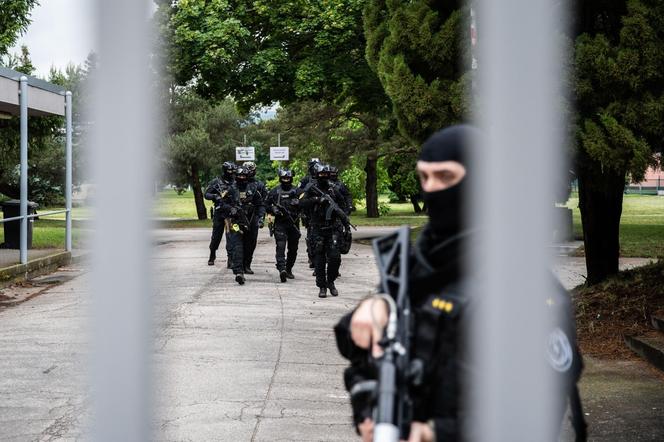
445 207
440 248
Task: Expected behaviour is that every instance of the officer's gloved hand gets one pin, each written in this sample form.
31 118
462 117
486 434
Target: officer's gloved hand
233 211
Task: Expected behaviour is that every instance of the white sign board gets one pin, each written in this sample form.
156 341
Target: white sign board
279 153
246 153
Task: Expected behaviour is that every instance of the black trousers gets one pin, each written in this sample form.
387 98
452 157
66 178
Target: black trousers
217 230
324 243
286 235
250 245
236 242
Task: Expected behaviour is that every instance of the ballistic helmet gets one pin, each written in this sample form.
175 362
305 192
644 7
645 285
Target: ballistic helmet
285 176
251 167
311 165
228 169
242 175
334 173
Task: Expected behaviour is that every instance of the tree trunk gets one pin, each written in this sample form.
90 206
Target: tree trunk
198 193
600 202
414 200
371 186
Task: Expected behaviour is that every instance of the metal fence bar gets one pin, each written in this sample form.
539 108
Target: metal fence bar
122 140
36 215
68 169
513 393
23 102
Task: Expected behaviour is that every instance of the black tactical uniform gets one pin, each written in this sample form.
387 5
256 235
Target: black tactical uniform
243 204
213 193
283 203
309 178
325 233
438 309
259 219
442 311
342 189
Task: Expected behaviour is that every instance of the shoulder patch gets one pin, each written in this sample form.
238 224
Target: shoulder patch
559 351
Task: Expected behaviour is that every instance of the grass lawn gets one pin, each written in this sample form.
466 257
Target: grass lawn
641 225
172 205
641 230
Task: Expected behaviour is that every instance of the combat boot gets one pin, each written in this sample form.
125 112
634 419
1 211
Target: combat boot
283 275
213 256
248 270
289 274
322 293
333 289
239 279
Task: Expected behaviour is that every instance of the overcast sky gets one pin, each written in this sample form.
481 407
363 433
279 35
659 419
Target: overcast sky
61 32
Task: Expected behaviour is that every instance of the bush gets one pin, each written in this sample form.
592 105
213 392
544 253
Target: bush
383 208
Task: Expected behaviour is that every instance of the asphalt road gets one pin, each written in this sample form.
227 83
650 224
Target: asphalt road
242 363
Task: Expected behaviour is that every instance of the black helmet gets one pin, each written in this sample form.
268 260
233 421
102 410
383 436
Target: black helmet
228 169
311 165
285 176
334 173
242 175
251 167
321 171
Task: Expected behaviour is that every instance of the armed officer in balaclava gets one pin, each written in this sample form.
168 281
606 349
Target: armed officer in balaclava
309 178
259 219
442 308
283 203
245 205
213 193
326 228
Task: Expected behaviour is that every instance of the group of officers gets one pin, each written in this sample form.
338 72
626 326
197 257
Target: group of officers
441 307
321 202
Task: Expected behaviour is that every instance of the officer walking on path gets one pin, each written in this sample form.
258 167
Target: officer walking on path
259 220
326 227
214 193
440 313
309 178
283 203
242 204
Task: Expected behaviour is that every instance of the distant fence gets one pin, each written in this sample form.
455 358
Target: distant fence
649 186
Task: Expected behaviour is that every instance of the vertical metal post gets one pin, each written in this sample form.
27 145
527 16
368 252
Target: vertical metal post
278 140
124 115
23 103
68 170
245 140
514 393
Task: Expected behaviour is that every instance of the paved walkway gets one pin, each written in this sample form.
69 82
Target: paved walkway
231 363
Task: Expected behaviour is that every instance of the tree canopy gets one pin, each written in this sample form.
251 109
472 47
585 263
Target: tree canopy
14 21
618 90
420 51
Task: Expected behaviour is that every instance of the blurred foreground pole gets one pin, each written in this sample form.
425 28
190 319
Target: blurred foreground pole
518 161
123 140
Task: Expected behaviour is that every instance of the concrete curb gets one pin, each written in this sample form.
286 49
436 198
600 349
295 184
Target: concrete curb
37 267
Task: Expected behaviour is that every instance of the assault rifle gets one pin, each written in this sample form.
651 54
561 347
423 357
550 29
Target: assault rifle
390 394
333 207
